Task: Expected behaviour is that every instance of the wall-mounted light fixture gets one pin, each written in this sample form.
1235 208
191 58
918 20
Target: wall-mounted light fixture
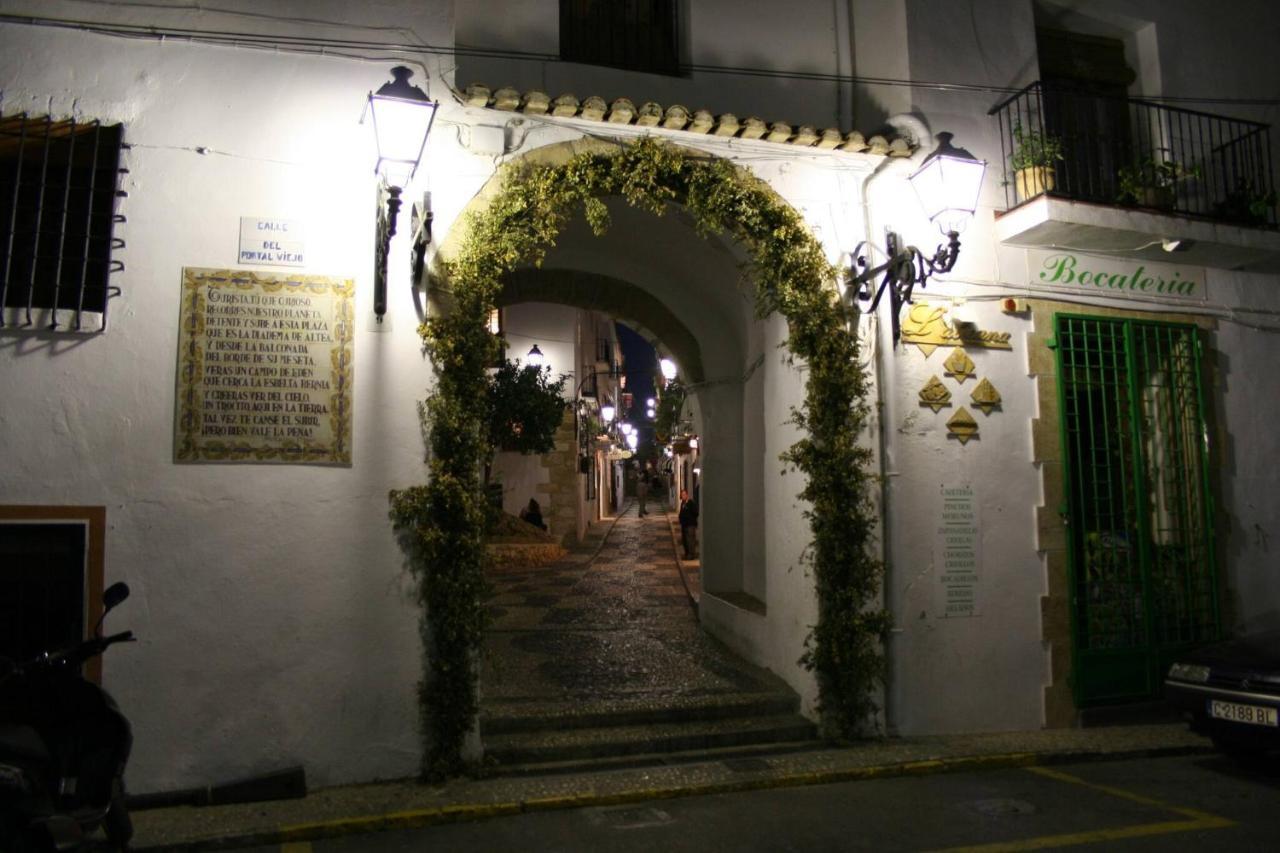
947 184
606 413
535 358
668 368
401 114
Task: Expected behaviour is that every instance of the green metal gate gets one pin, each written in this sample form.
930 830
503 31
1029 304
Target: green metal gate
1137 502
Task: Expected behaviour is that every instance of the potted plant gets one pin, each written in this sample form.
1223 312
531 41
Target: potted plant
1034 154
1152 182
1247 204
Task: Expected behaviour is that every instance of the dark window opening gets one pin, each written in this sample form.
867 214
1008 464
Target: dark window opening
1086 82
636 35
51 568
58 185
42 595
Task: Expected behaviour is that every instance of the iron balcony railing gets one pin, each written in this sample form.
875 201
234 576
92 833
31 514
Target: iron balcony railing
1123 151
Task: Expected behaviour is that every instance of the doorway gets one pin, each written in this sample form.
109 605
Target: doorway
1138 506
51 567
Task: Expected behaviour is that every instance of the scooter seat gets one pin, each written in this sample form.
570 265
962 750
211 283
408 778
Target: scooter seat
22 742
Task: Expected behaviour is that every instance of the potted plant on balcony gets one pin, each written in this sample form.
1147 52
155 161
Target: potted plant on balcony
1247 203
1152 182
1034 154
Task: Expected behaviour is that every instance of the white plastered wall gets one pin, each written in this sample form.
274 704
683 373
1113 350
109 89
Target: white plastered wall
274 618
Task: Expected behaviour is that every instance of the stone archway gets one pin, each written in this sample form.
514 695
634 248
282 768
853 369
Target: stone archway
612 296
510 223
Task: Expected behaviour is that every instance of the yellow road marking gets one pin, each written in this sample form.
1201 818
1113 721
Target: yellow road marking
1194 814
1197 820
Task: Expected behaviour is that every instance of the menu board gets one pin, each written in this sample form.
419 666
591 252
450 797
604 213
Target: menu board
957 560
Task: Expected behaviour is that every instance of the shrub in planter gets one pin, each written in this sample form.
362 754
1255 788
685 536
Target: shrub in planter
1152 182
1247 204
1034 154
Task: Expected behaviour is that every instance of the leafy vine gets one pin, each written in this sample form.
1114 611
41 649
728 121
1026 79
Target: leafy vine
442 522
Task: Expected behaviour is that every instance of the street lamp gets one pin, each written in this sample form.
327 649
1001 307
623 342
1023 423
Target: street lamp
633 439
947 185
535 358
668 368
607 412
401 114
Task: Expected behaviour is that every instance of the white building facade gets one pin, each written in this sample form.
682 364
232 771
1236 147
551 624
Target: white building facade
1102 501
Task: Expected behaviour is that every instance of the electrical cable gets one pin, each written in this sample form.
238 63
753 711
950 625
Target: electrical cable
1225 313
332 47
328 46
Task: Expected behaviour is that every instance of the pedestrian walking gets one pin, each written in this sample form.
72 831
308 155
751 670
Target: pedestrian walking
642 489
688 525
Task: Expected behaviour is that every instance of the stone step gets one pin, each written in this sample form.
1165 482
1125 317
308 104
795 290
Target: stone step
747 758
540 717
581 744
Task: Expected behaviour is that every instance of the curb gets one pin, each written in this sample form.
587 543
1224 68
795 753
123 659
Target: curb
605 538
420 818
675 554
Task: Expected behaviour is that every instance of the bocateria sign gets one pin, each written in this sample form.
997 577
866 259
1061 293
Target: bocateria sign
1115 276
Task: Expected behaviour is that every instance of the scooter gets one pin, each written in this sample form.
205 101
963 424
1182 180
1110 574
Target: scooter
63 748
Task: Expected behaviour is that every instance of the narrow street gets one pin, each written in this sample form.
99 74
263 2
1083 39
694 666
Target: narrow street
610 628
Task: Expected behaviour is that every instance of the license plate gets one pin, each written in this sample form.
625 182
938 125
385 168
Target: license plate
1238 713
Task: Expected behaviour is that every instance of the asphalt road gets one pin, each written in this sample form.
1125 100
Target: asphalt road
1203 803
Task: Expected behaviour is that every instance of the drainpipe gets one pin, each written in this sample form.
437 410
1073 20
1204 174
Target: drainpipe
915 130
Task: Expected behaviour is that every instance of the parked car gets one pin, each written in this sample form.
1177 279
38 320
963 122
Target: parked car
1230 691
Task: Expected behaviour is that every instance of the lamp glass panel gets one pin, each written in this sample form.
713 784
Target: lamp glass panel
401 127
948 188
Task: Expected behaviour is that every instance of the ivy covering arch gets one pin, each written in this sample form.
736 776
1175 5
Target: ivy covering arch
442 522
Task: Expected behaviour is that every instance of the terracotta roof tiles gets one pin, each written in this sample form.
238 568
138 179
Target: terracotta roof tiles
678 117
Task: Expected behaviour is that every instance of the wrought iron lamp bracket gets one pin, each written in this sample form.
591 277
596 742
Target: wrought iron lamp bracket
905 268
388 210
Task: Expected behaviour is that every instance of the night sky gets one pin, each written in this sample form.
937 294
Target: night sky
639 364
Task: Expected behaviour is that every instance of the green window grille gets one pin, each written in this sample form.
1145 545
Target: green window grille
1137 501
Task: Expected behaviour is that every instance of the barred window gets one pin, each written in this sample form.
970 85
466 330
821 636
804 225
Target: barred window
637 35
58 185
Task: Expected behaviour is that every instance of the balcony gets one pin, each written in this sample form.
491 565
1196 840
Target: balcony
1126 176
